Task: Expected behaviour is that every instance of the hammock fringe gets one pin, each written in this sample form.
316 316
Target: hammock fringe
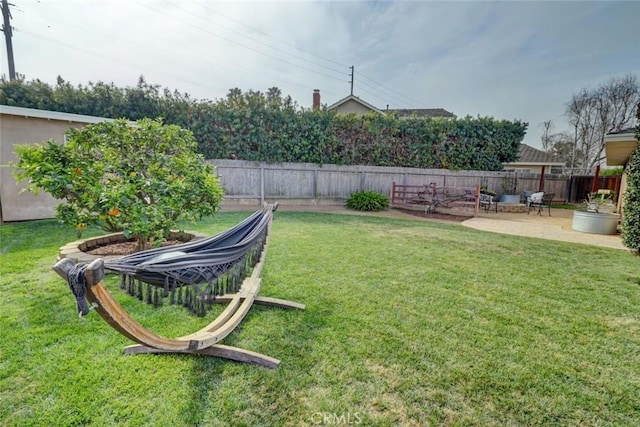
205 268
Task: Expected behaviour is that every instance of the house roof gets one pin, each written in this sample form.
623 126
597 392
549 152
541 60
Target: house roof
419 112
627 130
528 155
618 146
354 99
50 115
423 112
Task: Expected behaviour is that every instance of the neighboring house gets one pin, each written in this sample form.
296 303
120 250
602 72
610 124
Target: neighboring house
353 104
532 160
619 146
29 126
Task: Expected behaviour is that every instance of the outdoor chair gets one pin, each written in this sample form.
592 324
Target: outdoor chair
524 197
487 201
539 201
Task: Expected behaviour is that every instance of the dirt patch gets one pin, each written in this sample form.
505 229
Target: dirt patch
436 215
124 248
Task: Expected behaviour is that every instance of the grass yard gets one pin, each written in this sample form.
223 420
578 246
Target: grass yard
407 323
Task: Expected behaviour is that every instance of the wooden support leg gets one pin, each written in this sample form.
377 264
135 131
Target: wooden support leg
268 301
216 350
277 302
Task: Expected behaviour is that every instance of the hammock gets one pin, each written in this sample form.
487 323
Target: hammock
219 264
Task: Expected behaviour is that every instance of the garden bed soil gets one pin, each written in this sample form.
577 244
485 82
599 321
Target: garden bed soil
123 248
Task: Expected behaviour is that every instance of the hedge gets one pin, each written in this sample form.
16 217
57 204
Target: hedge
271 128
631 215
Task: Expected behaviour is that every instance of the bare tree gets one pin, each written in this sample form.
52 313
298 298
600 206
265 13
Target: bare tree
545 137
594 113
560 145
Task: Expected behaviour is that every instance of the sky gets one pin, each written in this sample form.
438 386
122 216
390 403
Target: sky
511 60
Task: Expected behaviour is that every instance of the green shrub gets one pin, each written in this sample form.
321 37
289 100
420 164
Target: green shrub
631 213
367 201
271 128
631 216
617 171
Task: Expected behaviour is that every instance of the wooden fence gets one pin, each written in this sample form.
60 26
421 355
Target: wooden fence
580 185
304 183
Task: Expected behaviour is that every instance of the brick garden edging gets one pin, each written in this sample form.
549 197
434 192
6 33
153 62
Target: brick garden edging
76 251
512 207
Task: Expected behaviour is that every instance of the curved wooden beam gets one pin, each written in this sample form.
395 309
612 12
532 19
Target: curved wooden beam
268 301
217 350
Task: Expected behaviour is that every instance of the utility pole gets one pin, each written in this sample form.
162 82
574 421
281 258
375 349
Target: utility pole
352 73
545 137
6 29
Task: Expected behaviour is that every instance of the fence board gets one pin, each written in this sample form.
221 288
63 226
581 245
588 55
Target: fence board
314 183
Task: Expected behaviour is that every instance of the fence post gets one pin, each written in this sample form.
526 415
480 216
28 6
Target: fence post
594 184
315 184
262 185
477 204
393 193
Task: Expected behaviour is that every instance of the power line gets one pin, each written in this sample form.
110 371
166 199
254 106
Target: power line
390 92
129 41
380 91
382 86
238 43
352 75
263 43
101 55
401 101
271 37
147 47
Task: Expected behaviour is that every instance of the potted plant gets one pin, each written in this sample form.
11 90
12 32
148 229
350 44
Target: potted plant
509 195
598 216
602 201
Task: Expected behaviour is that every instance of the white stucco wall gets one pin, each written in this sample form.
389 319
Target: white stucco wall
24 129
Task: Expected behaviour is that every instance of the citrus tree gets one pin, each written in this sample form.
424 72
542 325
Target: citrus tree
139 179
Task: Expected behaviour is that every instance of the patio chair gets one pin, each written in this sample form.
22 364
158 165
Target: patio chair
487 201
524 197
539 201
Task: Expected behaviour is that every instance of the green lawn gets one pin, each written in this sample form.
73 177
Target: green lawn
407 323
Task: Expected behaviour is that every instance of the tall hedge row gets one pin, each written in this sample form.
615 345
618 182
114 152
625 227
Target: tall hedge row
631 217
271 128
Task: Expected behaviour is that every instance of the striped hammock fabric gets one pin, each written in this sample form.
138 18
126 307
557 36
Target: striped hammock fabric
193 273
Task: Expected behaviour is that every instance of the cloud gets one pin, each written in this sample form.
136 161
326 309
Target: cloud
509 60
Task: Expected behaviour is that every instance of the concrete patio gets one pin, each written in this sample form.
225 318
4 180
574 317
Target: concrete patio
554 227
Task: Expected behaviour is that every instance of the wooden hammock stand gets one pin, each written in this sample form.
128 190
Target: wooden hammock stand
205 341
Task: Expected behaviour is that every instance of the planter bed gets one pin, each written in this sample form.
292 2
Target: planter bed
77 250
512 207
